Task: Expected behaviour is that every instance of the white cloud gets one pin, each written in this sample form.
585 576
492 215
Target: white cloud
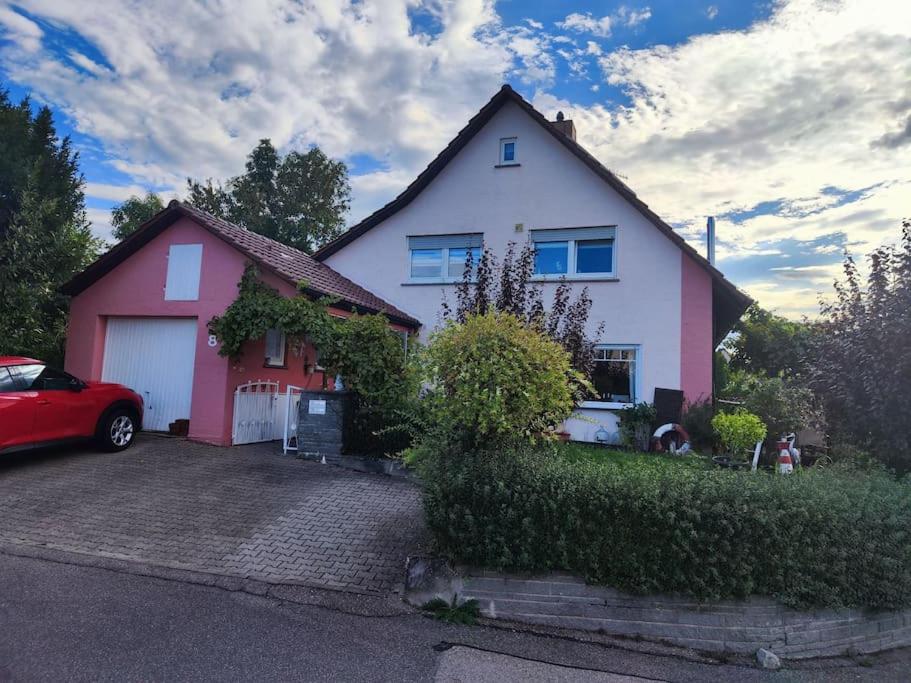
711 12
603 26
631 17
101 224
192 87
775 113
586 23
22 31
815 97
114 193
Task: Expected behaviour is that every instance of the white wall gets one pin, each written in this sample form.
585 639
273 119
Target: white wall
551 189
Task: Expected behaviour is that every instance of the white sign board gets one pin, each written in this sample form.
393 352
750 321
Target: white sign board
317 407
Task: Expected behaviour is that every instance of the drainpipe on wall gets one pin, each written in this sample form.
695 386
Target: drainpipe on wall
710 255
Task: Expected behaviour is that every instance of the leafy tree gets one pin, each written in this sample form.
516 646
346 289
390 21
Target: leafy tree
861 365
768 344
300 199
511 291
134 212
44 236
783 405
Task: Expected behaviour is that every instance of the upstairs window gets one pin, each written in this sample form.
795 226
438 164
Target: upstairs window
442 258
275 349
575 252
508 155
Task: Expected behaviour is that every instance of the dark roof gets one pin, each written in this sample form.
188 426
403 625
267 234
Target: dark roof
286 262
729 302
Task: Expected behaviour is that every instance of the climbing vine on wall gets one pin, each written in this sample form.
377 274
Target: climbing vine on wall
368 355
259 308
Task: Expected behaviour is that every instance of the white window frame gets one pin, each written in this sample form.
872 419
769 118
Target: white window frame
444 276
637 379
502 156
571 246
269 361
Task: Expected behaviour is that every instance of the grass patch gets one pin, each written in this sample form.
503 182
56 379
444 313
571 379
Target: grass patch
611 457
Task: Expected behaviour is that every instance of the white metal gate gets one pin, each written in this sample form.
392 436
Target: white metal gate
291 406
255 413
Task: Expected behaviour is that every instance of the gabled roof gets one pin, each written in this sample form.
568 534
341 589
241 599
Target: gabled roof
288 263
728 301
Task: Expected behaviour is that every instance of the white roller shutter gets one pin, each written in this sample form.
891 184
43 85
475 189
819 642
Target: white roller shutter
184 263
155 357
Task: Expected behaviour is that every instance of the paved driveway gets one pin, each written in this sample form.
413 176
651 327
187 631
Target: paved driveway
244 511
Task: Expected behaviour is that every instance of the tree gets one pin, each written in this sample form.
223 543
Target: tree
44 235
861 365
768 344
134 212
481 290
300 199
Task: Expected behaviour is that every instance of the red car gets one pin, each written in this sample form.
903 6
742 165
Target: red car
40 406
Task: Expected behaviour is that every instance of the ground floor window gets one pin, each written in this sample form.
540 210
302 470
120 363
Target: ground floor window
275 349
615 373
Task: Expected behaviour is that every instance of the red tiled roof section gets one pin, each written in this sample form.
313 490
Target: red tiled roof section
294 265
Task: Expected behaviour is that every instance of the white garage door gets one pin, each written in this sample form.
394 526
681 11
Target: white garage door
154 357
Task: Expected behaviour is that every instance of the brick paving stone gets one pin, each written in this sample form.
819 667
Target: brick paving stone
244 511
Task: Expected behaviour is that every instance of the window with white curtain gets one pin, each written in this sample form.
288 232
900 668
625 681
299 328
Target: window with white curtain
275 349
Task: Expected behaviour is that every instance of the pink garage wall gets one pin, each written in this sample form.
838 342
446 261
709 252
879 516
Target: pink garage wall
695 331
135 288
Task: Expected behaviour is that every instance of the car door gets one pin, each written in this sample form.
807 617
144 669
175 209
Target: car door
57 402
17 412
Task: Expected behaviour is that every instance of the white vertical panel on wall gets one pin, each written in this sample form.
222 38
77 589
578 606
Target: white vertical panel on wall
154 357
184 264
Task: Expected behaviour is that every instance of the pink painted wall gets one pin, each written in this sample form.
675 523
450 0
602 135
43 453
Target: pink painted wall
136 288
695 331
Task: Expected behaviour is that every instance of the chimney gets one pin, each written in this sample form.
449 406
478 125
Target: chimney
565 127
710 239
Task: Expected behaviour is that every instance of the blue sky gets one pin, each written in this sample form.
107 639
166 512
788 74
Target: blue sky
789 120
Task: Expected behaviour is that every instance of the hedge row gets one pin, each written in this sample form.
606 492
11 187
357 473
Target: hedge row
821 539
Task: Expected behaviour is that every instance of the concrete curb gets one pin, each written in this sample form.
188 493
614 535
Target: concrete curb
351 600
730 627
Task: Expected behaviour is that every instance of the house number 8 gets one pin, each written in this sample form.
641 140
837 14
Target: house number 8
213 340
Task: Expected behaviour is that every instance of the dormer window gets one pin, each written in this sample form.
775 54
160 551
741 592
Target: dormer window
508 156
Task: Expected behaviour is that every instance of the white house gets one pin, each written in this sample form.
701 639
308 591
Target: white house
509 176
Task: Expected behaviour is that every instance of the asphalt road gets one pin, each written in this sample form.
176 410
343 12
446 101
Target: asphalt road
61 621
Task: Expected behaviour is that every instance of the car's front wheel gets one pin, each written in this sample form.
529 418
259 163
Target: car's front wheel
118 429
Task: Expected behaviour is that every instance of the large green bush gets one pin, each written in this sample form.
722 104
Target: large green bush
493 377
831 538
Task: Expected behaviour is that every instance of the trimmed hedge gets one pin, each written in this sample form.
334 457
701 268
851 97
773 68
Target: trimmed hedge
820 539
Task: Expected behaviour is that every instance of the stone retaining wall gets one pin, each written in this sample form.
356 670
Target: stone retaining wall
737 627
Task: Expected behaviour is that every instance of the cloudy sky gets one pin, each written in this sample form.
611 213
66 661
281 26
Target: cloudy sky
789 120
